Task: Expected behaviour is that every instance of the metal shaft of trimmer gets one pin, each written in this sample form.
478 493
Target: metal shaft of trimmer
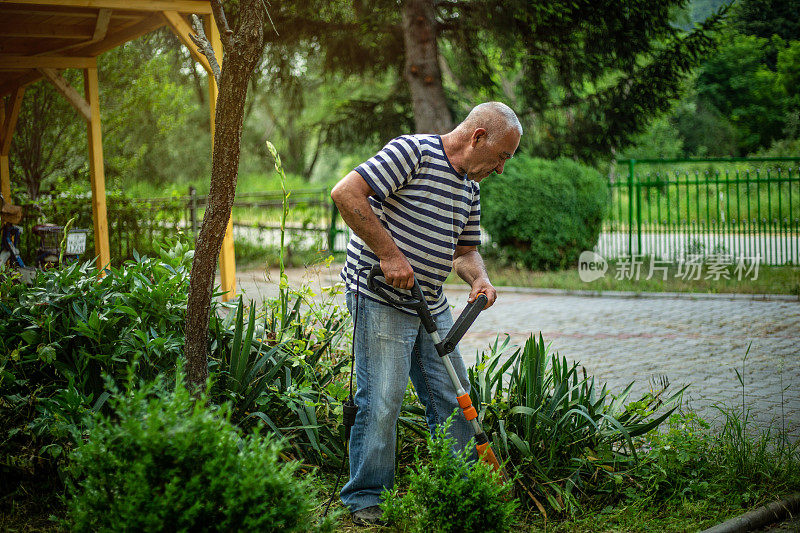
464 400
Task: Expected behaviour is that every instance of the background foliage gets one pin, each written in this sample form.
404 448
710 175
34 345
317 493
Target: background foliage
649 86
543 214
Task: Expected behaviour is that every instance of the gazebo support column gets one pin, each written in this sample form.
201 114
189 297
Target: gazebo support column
227 258
9 112
91 91
5 178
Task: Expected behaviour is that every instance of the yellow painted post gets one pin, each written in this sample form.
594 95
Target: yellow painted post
9 112
91 92
5 178
227 259
5 174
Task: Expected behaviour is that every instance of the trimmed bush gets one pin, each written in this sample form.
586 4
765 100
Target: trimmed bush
543 213
170 463
451 493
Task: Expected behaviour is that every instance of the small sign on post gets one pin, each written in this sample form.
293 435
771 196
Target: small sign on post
76 242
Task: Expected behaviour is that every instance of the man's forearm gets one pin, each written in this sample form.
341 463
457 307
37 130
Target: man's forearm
351 195
470 267
357 213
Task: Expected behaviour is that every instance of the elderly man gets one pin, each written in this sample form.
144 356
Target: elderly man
414 208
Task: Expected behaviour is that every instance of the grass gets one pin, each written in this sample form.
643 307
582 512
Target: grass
770 280
692 476
651 511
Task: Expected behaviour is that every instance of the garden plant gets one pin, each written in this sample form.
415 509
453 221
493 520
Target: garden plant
578 455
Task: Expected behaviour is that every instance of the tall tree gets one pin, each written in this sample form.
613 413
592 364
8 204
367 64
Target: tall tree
242 48
422 73
44 144
585 76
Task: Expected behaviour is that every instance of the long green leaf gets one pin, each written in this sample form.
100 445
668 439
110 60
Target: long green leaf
521 446
246 345
236 348
268 421
262 361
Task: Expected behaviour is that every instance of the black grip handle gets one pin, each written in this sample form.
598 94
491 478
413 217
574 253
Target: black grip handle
463 323
416 302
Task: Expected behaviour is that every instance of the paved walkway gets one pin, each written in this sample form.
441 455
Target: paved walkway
693 342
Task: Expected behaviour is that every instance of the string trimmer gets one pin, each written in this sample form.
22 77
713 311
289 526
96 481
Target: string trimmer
444 347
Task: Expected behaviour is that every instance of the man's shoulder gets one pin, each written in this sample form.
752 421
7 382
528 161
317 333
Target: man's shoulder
424 143
409 143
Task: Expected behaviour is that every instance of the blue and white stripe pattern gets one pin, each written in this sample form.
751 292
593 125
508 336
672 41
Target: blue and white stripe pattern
427 207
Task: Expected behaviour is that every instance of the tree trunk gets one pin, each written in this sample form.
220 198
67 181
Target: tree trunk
431 114
242 54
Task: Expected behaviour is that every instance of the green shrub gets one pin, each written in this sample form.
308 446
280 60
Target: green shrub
543 213
450 493
59 337
168 462
731 465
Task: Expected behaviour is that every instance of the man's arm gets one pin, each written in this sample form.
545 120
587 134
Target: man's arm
351 197
469 266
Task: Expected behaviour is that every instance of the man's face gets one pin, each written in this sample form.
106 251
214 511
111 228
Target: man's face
490 156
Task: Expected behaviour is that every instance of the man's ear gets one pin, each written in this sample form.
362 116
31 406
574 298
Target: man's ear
478 134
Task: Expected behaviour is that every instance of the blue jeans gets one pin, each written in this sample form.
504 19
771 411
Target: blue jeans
391 346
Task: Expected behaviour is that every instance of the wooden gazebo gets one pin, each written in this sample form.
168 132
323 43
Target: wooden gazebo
41 38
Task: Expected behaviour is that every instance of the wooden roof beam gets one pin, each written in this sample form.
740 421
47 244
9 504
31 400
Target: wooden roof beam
181 28
23 62
182 6
98 34
20 82
117 38
70 12
67 91
101 25
50 31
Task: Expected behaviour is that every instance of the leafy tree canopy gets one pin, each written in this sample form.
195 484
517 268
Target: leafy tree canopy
584 76
765 18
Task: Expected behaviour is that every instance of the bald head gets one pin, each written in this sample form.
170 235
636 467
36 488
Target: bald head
483 143
494 117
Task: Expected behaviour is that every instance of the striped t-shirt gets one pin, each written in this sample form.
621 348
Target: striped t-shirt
426 206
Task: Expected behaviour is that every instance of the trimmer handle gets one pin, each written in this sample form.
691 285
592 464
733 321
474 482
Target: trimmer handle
463 323
416 302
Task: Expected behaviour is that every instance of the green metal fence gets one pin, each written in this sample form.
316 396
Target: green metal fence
673 208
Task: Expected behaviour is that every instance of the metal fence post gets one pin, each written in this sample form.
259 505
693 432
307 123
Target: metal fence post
193 209
631 165
332 228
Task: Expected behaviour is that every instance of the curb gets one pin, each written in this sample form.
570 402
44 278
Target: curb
763 516
631 294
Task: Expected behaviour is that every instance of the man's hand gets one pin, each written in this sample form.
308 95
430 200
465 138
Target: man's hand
482 285
398 272
469 267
